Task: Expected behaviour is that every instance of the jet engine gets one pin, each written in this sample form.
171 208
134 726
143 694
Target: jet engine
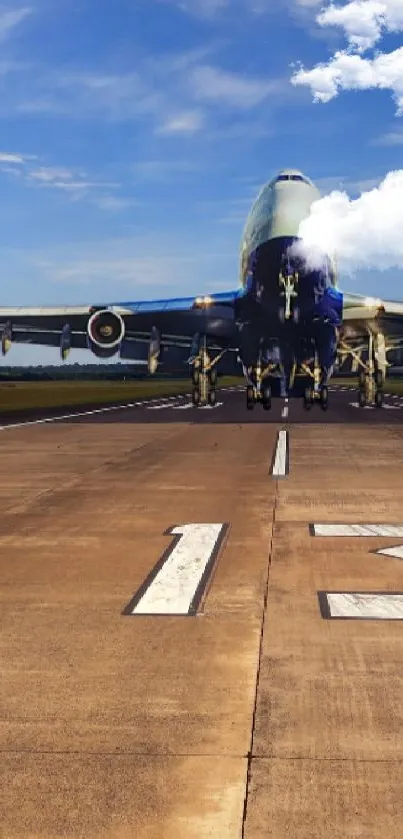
105 333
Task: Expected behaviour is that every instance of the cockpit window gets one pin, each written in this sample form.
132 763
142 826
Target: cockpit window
292 178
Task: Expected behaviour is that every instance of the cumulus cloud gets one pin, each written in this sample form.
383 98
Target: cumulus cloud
363 22
363 233
346 71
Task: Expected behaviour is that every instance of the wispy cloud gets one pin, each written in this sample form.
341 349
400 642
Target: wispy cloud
11 18
187 122
200 8
17 159
114 203
238 91
391 138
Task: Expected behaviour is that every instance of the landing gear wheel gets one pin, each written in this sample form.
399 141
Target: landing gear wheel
362 398
308 398
213 376
324 398
378 398
295 314
195 376
250 398
212 397
266 398
379 379
196 397
362 380
281 314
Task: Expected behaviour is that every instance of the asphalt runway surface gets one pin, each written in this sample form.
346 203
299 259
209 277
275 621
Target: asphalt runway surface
230 408
202 622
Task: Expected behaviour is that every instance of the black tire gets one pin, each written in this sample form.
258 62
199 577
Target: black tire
250 398
212 397
378 398
324 398
195 376
213 376
266 398
362 379
196 397
379 380
308 399
362 398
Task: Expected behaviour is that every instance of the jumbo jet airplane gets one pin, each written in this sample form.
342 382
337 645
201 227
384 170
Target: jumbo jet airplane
287 324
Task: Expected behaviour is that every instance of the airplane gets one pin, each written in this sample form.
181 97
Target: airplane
287 325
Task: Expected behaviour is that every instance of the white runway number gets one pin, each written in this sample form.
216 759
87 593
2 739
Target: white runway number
176 584
365 605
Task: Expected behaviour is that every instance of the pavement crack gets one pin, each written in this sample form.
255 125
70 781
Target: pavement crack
263 624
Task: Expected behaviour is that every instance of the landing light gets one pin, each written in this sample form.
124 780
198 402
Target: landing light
372 301
203 301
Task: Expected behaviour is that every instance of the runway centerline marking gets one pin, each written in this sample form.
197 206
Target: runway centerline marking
280 466
176 584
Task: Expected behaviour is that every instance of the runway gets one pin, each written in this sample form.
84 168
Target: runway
230 408
188 649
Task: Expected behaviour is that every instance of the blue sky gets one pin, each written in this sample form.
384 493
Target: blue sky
135 135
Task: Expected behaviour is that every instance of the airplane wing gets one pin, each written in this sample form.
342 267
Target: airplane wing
385 316
131 328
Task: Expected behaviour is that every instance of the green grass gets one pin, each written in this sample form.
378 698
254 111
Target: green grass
25 396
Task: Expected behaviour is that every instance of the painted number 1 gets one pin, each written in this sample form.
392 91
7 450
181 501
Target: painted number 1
176 584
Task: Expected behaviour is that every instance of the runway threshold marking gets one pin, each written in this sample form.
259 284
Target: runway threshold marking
176 584
280 467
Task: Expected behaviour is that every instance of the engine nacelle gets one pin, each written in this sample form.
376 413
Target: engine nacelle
105 333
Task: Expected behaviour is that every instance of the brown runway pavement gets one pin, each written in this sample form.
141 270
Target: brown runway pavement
256 717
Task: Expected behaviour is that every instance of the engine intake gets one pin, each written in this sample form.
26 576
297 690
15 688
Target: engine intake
105 331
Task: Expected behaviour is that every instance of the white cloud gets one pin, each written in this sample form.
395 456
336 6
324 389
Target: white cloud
9 19
353 72
114 204
187 122
391 138
201 8
365 233
18 159
215 85
364 21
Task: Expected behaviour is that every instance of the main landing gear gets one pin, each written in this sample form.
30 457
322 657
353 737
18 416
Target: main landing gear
311 396
315 390
204 378
372 375
258 388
